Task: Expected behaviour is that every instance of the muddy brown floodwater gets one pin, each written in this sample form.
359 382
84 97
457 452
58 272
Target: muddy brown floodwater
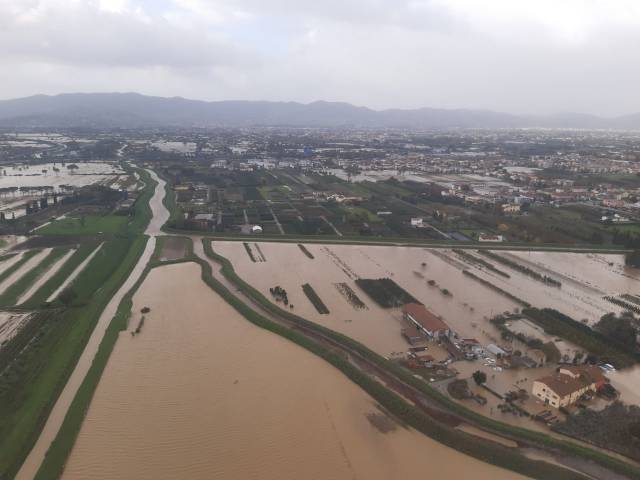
287 266
201 393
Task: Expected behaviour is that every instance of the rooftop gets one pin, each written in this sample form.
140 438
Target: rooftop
424 317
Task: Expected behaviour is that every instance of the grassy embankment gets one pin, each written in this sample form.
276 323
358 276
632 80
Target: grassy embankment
484 450
10 296
169 201
60 449
86 225
33 379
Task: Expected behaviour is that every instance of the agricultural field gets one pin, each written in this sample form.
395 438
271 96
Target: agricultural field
85 225
292 203
173 248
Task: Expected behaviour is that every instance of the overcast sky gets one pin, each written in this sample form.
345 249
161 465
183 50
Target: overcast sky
520 56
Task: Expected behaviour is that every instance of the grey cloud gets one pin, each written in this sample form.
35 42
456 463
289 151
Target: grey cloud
82 34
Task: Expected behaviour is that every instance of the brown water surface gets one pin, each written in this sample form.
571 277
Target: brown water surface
201 393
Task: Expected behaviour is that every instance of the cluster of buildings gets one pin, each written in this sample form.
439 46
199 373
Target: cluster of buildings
562 388
568 384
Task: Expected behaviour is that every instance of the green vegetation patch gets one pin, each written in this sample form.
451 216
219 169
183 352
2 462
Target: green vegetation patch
85 225
315 299
306 251
247 247
11 295
385 292
58 278
616 427
172 248
14 268
560 325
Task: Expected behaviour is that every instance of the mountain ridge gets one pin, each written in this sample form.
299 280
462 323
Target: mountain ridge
135 110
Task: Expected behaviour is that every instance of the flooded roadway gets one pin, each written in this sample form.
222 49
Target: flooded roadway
54 421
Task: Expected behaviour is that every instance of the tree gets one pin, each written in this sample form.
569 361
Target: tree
479 377
67 296
632 259
618 329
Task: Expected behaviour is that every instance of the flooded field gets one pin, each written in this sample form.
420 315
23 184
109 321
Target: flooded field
174 248
444 180
31 179
201 393
466 310
586 279
287 266
43 174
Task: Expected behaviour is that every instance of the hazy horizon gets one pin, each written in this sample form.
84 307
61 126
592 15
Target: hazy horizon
525 57
489 110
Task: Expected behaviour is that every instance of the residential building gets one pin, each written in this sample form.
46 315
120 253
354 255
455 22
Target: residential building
433 326
412 333
568 384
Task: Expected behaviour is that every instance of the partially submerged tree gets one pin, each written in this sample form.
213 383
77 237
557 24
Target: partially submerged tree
479 377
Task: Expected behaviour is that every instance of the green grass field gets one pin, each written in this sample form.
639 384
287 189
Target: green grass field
10 296
86 225
14 268
51 285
